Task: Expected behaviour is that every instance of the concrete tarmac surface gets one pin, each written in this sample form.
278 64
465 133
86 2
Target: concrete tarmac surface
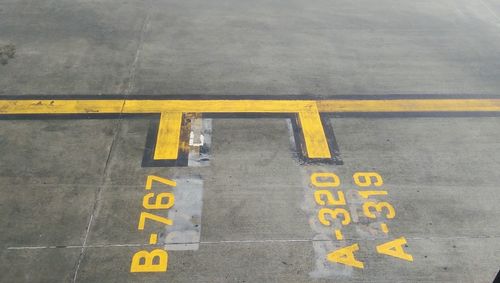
249 141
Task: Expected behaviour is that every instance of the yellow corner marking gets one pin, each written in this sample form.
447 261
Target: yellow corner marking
169 132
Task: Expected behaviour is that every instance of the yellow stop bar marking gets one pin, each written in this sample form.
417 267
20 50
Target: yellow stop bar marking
307 110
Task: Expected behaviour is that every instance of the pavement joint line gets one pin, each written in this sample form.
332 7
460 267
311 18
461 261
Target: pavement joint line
141 245
99 192
80 257
127 90
239 242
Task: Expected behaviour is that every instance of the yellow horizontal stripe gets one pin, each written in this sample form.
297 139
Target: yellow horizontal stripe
244 106
60 106
410 105
218 106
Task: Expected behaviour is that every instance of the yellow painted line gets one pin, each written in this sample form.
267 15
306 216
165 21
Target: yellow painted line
410 105
60 106
169 133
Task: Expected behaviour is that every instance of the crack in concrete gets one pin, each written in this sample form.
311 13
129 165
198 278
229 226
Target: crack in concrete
140 44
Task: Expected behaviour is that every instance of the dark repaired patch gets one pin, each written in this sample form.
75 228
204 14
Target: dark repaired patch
7 52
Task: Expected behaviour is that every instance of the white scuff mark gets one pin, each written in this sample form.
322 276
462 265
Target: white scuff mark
191 140
185 233
324 268
323 241
200 140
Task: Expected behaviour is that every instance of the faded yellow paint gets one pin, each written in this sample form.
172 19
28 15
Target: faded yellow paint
153 239
169 134
308 111
338 235
379 207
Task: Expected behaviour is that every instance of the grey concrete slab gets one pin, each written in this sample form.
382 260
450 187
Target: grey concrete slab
295 47
436 260
125 160
242 157
43 265
54 151
76 47
322 48
442 172
493 6
254 202
437 151
252 262
44 215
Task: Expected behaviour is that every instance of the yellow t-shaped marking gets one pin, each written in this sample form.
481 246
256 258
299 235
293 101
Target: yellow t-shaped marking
171 115
307 112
